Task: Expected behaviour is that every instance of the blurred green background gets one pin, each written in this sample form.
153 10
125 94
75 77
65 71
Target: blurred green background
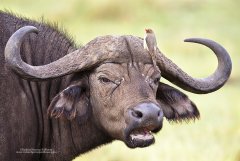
216 136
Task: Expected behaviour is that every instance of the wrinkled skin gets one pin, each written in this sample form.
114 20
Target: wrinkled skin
120 98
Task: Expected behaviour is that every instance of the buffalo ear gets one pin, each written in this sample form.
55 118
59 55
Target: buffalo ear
71 102
176 105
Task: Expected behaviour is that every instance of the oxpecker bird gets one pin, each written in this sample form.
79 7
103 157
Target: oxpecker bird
150 44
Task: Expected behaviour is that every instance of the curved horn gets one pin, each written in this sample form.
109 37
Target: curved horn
174 74
78 60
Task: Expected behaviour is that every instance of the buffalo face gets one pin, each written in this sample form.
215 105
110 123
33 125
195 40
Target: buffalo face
123 97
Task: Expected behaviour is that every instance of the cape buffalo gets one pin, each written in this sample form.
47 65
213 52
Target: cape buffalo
105 90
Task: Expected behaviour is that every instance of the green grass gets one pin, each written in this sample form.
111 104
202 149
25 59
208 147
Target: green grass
216 136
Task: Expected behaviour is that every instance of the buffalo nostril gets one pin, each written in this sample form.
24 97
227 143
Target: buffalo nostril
159 113
137 114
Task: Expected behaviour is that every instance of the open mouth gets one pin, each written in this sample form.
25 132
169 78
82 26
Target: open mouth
140 137
141 121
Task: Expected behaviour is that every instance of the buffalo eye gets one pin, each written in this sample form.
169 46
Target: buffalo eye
104 80
156 80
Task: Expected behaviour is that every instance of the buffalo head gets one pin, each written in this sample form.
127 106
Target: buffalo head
114 78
